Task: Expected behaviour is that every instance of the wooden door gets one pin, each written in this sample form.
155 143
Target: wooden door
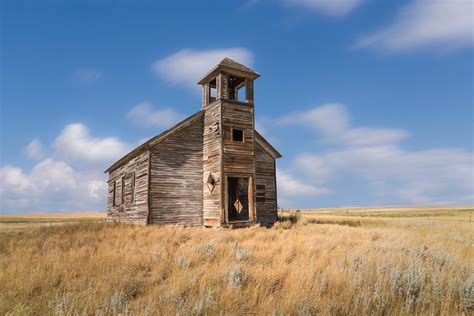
238 199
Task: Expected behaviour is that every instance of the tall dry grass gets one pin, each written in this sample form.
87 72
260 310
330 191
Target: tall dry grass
105 268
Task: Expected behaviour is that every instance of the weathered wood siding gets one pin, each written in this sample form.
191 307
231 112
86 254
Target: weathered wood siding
133 205
176 187
238 157
265 187
211 164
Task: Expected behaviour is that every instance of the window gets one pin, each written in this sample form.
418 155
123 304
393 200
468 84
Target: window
260 193
242 94
122 188
212 90
237 135
211 182
114 193
132 184
236 88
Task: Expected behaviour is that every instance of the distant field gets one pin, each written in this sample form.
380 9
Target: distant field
12 222
391 211
359 261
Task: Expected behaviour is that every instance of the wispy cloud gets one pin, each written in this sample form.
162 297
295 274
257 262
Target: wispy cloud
187 66
34 150
145 115
289 186
375 156
87 76
336 8
421 23
333 122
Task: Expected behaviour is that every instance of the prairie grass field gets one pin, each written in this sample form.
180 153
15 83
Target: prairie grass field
18 222
382 261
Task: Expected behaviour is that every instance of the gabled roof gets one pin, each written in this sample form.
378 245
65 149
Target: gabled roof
162 136
153 141
227 62
266 145
231 66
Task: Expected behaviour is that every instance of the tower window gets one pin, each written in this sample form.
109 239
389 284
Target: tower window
212 90
237 135
242 93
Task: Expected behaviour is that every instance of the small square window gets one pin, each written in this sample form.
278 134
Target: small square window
237 135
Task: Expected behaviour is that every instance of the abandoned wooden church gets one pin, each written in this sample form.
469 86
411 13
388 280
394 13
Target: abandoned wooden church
212 169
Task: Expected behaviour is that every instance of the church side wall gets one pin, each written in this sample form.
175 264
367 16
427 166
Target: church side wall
130 183
265 185
176 187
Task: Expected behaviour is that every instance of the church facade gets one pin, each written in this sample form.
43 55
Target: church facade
211 169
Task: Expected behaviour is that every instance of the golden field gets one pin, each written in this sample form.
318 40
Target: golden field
332 262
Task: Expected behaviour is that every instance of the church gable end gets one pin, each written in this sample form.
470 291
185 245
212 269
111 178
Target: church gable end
176 185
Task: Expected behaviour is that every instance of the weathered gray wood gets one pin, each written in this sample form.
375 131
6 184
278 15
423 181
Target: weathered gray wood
176 186
212 204
124 209
265 186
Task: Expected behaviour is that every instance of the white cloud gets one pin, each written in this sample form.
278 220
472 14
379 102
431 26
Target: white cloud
88 76
289 186
72 179
187 66
446 24
34 149
328 7
144 115
330 118
375 157
75 144
333 122
51 186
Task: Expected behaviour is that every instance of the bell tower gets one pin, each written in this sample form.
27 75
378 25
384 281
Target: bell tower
228 144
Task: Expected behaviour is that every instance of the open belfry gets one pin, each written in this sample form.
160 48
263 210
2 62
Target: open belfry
212 169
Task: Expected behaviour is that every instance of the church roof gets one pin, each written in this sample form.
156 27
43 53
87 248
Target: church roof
227 62
162 136
232 66
154 140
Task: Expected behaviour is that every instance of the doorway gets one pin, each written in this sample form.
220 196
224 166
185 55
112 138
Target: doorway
238 199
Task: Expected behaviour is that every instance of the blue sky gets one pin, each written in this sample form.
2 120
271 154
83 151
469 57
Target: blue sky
370 102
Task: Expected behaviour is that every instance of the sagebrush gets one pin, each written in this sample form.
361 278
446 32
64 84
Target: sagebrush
292 268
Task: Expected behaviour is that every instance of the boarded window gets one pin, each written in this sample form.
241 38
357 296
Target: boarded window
114 193
122 196
260 193
132 185
237 135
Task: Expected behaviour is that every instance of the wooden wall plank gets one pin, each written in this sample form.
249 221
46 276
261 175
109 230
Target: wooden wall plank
132 210
176 187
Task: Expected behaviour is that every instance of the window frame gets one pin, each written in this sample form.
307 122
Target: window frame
133 185
114 193
122 189
232 135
